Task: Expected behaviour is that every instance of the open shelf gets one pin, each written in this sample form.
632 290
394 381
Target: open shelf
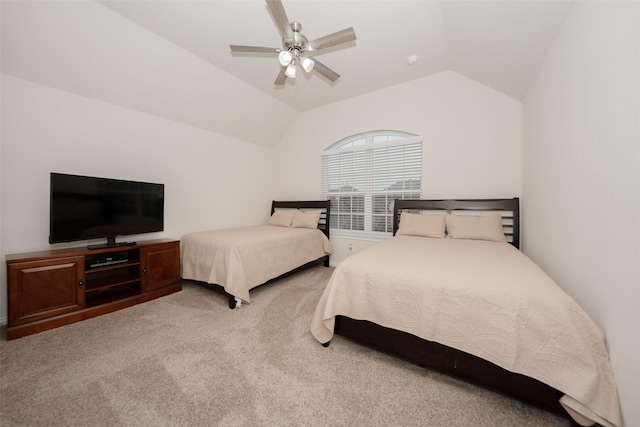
112 277
92 270
110 294
111 258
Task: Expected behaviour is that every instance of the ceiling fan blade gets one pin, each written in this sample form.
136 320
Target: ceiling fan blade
281 78
325 71
253 49
276 8
333 39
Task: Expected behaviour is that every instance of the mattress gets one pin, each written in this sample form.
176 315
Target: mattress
239 259
484 298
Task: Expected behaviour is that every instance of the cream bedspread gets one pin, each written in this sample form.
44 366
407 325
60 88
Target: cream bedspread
484 298
239 259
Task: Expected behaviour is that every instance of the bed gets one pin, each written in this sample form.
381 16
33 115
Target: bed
470 304
235 260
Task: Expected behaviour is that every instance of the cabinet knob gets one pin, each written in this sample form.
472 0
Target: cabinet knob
144 270
80 283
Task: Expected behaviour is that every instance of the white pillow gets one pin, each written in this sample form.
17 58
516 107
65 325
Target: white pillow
483 227
282 217
427 225
308 219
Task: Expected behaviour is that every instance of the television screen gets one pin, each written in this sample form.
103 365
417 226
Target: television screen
84 208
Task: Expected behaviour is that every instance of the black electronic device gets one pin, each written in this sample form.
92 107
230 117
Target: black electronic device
85 208
109 260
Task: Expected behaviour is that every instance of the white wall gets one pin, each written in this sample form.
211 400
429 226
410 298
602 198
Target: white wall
85 48
581 190
211 181
472 144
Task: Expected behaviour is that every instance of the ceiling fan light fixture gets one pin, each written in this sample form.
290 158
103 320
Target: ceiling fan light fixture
307 63
291 70
295 45
285 58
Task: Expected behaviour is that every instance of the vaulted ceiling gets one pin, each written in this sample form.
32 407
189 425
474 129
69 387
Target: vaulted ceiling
172 58
498 43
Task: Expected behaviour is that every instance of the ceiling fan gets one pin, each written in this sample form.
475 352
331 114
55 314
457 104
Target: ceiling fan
296 48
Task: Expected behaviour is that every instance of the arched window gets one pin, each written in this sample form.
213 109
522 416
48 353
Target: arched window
363 174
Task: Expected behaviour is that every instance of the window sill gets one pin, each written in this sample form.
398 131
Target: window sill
360 235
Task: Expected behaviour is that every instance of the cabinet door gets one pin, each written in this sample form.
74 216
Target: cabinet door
160 266
42 289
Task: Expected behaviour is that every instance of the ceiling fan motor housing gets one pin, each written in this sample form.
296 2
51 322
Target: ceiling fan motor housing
298 43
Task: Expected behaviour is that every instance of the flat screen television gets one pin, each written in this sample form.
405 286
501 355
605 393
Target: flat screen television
86 208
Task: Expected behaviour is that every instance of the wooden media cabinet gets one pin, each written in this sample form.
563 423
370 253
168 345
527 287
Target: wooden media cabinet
57 287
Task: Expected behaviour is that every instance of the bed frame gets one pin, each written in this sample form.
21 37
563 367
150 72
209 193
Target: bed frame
323 225
445 359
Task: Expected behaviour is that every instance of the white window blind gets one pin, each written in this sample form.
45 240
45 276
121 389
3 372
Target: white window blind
362 175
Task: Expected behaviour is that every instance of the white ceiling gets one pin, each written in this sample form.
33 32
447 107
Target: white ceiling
172 58
497 43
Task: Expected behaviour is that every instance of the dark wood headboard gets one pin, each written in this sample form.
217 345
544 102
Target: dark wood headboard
323 205
508 208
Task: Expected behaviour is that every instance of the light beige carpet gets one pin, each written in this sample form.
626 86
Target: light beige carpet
187 360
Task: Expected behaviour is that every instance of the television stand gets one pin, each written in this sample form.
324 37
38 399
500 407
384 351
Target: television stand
57 287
